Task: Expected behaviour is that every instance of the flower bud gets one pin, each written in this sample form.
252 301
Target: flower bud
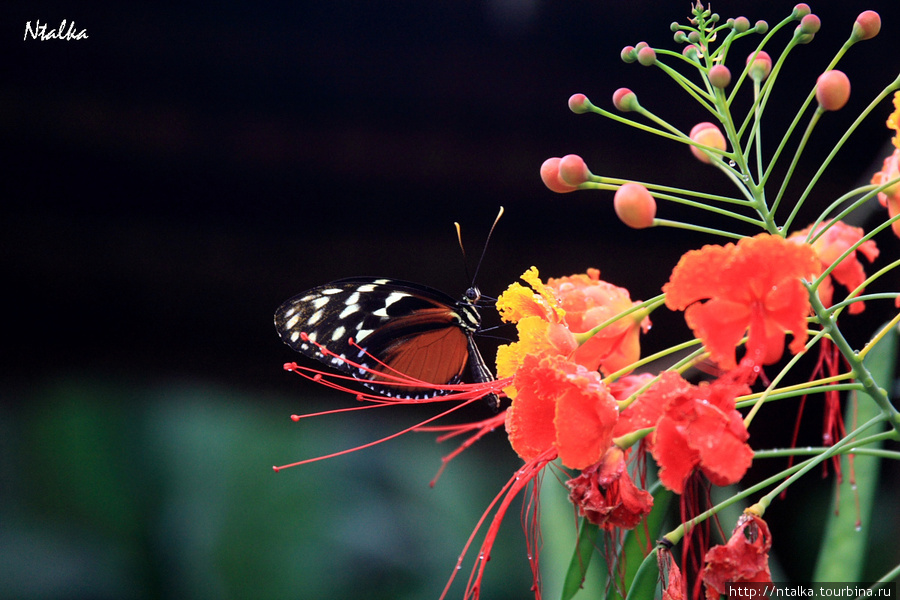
572 170
635 206
810 24
579 104
625 100
550 177
719 76
692 53
628 54
761 26
708 134
741 24
646 56
760 67
832 90
801 10
806 30
866 26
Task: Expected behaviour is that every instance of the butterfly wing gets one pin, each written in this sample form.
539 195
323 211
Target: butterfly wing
412 329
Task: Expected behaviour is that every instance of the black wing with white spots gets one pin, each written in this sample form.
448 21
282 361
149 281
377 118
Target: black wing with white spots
413 329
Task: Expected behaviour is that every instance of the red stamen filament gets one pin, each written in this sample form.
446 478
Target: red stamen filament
481 428
510 490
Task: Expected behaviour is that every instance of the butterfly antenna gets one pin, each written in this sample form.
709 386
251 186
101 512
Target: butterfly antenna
462 249
484 249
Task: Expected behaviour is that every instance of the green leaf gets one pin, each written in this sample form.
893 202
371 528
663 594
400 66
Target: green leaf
843 552
581 558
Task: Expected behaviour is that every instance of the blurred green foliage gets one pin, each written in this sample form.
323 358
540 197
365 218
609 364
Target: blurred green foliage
137 490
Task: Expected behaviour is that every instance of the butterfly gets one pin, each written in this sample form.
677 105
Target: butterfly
396 328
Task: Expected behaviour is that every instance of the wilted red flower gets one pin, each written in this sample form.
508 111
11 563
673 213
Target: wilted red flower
674 584
560 405
588 302
744 558
829 247
699 428
606 494
753 285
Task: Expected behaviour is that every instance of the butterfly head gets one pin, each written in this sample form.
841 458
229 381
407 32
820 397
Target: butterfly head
472 295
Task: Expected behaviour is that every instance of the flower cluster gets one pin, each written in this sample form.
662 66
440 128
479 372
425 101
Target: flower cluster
580 398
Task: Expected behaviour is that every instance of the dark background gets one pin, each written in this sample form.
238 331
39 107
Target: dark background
173 178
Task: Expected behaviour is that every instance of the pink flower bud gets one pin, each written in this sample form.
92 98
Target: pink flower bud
761 26
801 10
579 104
691 52
810 24
708 134
719 76
741 24
572 170
867 25
761 65
832 90
646 56
550 177
625 100
628 54
635 206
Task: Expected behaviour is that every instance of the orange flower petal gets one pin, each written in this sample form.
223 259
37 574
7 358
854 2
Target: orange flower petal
563 405
756 287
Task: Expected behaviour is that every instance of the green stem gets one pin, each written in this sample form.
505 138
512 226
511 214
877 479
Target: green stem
825 163
800 147
817 460
862 373
674 536
784 371
699 228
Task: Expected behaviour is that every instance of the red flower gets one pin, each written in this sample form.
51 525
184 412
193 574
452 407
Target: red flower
646 409
753 285
606 495
588 302
890 197
829 247
561 318
745 558
699 427
560 405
